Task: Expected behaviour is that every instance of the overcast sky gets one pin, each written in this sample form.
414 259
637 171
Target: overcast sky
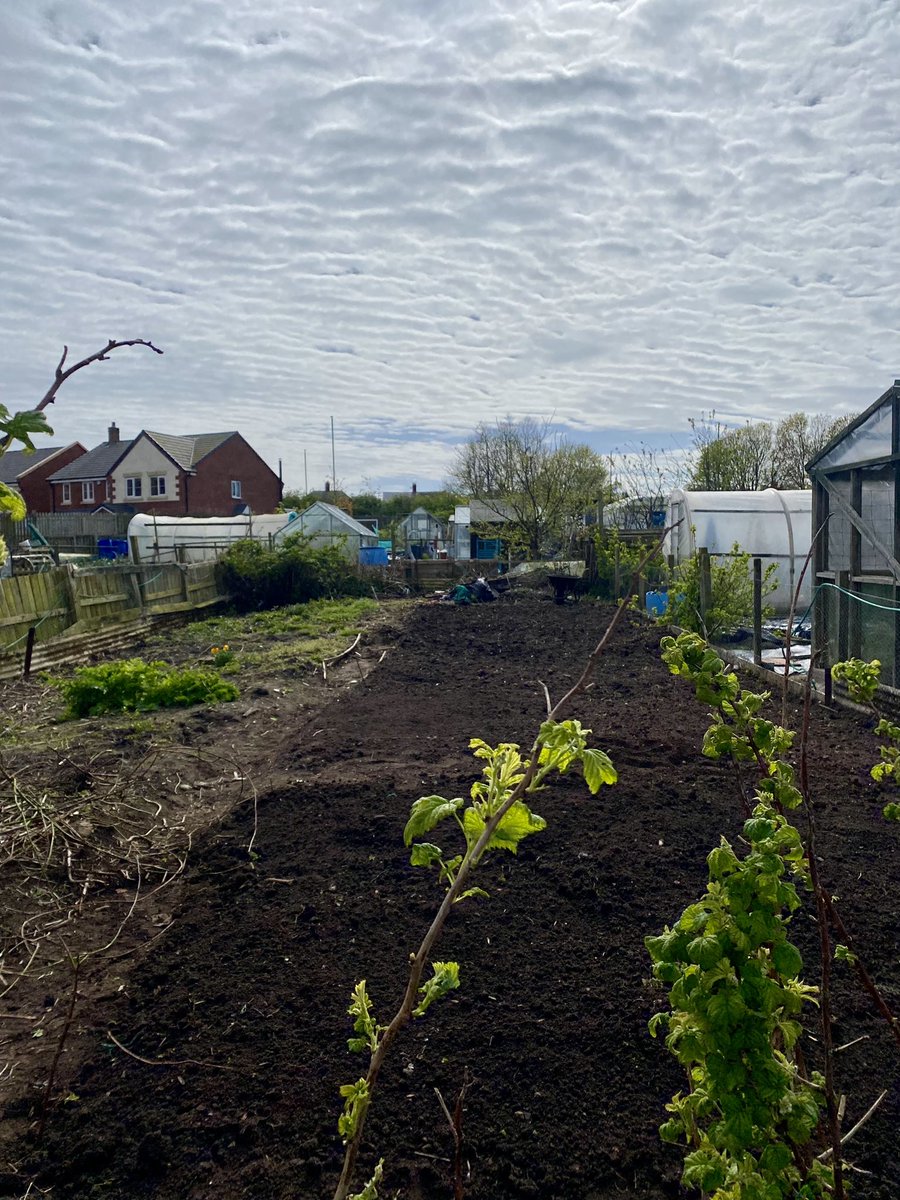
415 215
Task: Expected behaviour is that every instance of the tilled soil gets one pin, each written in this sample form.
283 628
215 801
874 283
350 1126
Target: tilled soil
244 998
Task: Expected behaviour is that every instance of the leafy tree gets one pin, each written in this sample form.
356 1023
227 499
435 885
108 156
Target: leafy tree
759 455
535 480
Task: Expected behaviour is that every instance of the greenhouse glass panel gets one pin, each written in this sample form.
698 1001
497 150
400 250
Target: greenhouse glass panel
870 440
877 510
875 612
839 527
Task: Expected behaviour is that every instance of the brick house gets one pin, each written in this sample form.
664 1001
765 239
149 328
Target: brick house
199 474
28 474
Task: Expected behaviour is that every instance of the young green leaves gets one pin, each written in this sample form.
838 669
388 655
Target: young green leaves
862 679
735 994
561 744
363 1022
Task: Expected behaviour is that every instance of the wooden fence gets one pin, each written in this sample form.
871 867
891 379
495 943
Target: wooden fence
76 607
66 531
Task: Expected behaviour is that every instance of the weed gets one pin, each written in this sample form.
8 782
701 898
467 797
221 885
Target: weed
133 685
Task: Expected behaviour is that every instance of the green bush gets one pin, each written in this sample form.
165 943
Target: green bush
732 593
611 549
296 571
133 685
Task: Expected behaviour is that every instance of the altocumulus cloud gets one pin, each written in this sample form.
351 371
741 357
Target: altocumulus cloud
418 214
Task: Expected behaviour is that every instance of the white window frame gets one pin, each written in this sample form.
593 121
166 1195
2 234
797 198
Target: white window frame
236 489
87 492
158 486
67 493
134 487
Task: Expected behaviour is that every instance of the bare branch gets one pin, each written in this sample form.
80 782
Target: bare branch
97 356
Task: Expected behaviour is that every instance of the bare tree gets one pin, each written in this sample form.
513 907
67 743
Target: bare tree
532 479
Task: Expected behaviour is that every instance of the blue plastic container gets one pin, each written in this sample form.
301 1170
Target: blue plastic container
657 603
373 556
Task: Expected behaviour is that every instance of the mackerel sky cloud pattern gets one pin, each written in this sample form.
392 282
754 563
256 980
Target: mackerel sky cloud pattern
413 216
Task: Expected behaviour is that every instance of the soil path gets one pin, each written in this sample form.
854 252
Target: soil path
246 993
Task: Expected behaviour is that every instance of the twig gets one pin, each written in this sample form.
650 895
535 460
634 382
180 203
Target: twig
546 695
67 1025
826 1154
855 1042
171 1062
344 653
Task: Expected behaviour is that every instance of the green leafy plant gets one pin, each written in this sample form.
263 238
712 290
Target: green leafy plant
617 560
735 995
222 656
731 593
862 680
495 818
132 685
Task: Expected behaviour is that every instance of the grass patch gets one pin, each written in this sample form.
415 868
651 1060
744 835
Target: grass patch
315 619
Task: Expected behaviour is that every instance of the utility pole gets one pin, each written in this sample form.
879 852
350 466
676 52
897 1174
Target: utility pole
305 476
333 468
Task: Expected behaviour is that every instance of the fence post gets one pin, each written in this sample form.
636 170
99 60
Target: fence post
705 584
843 629
757 611
29 650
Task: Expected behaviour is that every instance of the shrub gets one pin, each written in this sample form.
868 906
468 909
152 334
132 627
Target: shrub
133 685
732 593
292 573
617 557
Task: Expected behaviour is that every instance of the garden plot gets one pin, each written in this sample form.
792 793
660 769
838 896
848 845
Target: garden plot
213 1066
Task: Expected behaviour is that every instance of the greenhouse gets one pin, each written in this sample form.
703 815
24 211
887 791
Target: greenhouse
856 516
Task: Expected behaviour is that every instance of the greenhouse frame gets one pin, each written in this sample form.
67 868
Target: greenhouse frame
856 533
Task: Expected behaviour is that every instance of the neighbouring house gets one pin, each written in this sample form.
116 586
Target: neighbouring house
198 474
28 474
477 528
326 524
421 529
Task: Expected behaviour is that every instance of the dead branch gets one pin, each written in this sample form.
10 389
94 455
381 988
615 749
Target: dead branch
98 356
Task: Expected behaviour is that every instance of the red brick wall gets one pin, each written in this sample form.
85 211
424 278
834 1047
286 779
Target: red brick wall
209 491
35 489
77 504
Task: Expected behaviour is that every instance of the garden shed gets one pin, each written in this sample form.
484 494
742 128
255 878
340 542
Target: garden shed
856 524
326 525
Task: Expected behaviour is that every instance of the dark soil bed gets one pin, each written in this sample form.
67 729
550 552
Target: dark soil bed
247 992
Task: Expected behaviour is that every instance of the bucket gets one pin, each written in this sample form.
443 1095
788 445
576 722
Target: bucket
657 603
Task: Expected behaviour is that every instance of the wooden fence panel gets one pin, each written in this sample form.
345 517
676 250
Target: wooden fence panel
41 601
96 602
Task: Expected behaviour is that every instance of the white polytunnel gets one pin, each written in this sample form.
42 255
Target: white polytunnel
156 539
771 525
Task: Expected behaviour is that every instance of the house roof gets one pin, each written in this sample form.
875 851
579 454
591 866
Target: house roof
338 514
482 510
96 464
16 462
187 449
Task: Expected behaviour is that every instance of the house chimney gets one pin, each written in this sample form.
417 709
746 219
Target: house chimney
413 489
113 434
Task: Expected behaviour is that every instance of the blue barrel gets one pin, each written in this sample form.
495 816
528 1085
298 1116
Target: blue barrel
657 603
